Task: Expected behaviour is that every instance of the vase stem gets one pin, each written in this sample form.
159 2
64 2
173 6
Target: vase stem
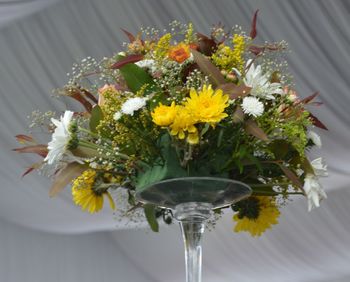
192 217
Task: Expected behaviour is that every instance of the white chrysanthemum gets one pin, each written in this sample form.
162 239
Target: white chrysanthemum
260 84
315 138
60 138
132 105
252 106
117 115
150 64
313 189
320 169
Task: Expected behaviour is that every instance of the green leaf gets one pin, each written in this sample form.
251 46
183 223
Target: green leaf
135 77
152 175
208 68
280 148
96 117
150 213
221 133
168 168
205 129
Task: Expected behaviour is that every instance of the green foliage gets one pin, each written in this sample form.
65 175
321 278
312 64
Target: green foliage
150 213
136 78
168 166
96 117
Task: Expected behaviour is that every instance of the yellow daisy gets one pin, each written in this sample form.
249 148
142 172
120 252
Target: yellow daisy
86 196
256 214
164 115
207 105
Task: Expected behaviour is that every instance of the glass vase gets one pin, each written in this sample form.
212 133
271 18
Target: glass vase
192 200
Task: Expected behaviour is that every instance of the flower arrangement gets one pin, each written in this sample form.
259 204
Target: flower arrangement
179 104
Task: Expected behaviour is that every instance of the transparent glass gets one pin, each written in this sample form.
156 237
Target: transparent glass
192 199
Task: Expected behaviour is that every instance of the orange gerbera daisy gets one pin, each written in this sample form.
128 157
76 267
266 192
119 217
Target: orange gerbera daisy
179 53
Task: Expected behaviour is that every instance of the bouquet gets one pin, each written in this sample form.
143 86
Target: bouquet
180 103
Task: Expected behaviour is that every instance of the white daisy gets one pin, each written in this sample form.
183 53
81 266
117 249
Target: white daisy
260 84
60 138
252 106
132 105
313 189
315 138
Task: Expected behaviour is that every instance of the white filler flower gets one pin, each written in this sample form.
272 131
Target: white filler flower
252 106
60 138
315 138
313 189
117 115
132 105
260 83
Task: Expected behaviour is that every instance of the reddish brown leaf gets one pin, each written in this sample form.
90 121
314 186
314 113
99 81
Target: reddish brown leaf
206 45
316 104
316 122
251 127
89 95
256 50
29 170
291 176
238 115
253 31
39 149
32 167
65 176
21 138
127 60
208 68
235 91
129 35
75 94
309 98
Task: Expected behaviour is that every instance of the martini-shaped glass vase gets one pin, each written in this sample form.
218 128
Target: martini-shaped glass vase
192 199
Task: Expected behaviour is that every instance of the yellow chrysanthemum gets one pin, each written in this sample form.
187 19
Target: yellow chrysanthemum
256 214
183 123
207 105
84 194
164 115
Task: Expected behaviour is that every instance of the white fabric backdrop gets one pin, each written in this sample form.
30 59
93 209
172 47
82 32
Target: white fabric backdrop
37 51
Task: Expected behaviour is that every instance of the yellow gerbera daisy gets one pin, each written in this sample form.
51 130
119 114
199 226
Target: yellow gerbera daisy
207 105
256 214
164 115
183 123
86 196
